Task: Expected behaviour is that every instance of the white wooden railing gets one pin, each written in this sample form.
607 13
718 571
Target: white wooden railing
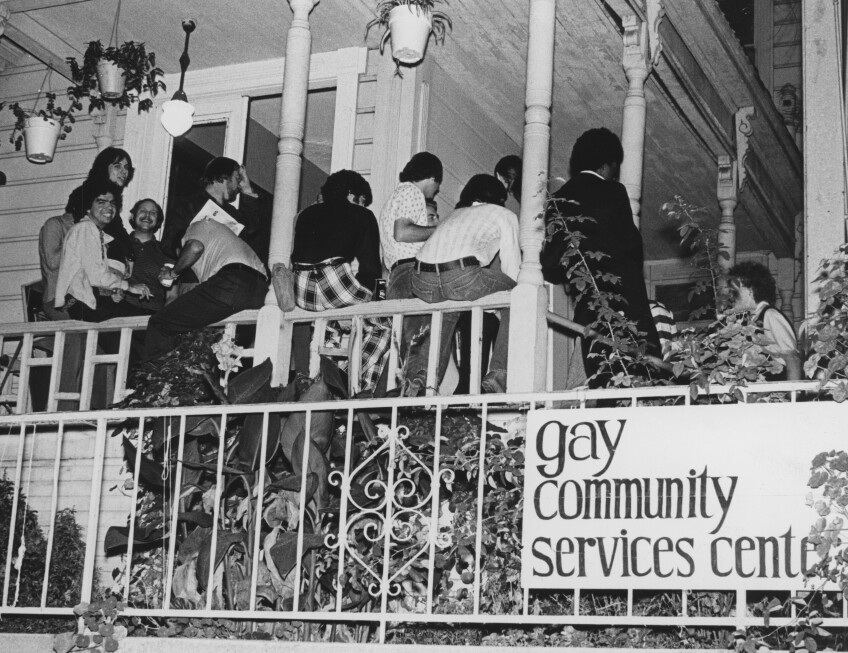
394 520
27 346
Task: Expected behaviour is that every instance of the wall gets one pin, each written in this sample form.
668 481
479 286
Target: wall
34 192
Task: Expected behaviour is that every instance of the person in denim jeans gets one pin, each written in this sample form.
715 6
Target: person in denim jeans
451 265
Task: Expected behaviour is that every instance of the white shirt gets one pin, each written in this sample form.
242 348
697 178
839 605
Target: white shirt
776 329
84 266
481 230
220 247
406 202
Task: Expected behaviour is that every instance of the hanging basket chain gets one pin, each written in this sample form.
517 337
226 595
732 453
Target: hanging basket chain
113 39
41 88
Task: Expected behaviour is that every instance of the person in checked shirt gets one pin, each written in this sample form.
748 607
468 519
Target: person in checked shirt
451 265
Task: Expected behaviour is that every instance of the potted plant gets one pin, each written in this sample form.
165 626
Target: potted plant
40 129
119 75
409 24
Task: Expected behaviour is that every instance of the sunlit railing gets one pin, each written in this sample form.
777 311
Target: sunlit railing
28 347
358 524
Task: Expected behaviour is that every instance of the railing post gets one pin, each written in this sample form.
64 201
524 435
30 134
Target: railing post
527 368
271 330
636 68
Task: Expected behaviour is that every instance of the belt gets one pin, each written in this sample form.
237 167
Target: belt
316 266
241 267
401 262
458 264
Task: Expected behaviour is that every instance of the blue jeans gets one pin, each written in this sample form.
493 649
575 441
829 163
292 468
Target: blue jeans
458 285
400 287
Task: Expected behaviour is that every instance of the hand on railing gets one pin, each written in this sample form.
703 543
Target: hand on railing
139 289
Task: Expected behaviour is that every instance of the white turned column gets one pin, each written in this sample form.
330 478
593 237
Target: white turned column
636 68
824 140
529 303
785 283
726 193
273 335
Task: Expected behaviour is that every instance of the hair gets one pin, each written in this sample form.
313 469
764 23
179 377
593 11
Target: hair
160 214
91 190
595 148
422 166
510 167
432 202
486 189
340 184
757 277
218 169
110 155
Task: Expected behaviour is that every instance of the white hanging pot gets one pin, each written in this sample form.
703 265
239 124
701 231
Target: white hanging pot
40 137
111 79
409 26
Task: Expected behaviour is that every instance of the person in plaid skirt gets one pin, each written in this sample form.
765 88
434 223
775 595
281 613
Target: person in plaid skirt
328 238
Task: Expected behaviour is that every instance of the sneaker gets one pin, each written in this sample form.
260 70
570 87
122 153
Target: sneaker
494 382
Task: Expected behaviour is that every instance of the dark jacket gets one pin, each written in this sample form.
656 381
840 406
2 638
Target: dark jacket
612 232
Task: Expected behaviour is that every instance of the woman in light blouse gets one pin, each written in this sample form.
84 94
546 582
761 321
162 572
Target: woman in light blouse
84 267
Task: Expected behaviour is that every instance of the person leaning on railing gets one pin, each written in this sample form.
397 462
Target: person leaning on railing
328 237
451 265
145 218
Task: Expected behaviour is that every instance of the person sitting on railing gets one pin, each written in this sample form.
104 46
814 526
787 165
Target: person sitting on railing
451 266
232 277
145 218
85 268
328 236
753 291
404 226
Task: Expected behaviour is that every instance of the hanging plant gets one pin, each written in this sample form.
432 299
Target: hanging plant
41 128
409 24
119 75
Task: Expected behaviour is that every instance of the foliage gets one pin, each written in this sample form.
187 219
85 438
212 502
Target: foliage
440 22
826 331
50 111
26 580
141 75
97 631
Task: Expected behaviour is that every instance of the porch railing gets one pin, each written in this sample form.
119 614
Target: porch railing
397 499
25 347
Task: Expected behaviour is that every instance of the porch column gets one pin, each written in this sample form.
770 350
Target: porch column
726 192
529 303
824 139
636 68
273 336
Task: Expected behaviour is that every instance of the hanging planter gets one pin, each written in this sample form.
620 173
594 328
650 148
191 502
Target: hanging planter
40 129
409 23
118 75
110 79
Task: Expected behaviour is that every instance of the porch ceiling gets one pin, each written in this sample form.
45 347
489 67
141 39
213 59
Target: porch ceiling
485 53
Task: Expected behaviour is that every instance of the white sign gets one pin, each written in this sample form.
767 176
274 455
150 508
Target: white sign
698 497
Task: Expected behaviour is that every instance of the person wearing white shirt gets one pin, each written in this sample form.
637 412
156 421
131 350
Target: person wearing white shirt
451 265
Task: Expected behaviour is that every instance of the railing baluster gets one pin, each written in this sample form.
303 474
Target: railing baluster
319 334
123 364
476 343
216 509
56 370
345 497
54 506
134 506
481 482
175 507
307 442
355 356
22 405
435 345
434 508
394 350
88 369
257 513
94 510
13 517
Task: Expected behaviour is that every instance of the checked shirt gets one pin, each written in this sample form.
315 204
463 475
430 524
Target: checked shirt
333 285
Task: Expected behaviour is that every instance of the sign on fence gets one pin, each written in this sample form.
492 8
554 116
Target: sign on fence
700 497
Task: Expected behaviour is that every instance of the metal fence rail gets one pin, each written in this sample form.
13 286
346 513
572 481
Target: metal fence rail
391 515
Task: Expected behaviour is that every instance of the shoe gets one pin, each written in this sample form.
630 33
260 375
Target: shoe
494 382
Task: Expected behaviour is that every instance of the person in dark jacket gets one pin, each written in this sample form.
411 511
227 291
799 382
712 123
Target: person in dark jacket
594 192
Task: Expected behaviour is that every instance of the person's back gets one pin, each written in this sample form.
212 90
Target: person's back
221 247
